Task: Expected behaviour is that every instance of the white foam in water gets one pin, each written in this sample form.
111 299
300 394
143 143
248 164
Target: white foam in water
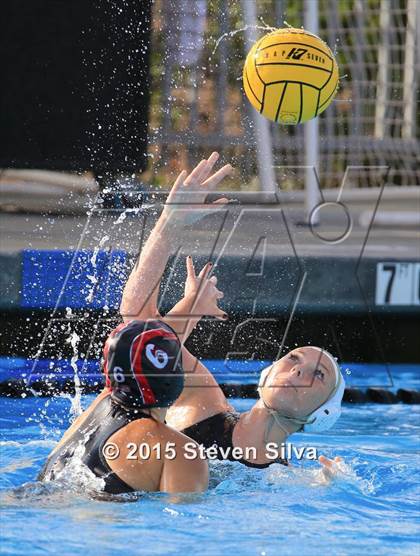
40 442
77 475
343 476
170 511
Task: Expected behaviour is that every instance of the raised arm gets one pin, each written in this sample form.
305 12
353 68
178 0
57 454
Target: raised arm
201 397
139 299
200 298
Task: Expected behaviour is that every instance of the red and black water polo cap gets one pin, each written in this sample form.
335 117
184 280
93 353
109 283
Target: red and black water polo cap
143 364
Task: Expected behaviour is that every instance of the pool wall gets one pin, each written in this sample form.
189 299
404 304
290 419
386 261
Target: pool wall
284 301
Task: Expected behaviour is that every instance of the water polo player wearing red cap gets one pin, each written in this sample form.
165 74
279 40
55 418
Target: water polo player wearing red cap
121 439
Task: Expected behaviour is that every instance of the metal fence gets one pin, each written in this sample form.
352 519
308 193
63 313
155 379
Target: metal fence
198 104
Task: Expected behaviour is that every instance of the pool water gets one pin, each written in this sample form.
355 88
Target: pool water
372 505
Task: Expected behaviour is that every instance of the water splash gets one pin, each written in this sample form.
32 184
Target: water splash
92 277
231 34
128 211
288 24
94 256
76 405
76 474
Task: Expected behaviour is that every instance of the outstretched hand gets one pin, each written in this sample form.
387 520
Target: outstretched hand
189 192
202 291
330 468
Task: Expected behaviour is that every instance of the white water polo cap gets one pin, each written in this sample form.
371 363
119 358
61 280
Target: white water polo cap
324 417
328 413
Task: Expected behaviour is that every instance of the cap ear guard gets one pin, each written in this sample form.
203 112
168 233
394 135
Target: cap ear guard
263 376
325 416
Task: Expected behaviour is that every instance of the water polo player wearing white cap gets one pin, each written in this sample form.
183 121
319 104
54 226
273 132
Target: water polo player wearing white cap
301 391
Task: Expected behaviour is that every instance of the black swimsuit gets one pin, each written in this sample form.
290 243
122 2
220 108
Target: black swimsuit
106 418
218 430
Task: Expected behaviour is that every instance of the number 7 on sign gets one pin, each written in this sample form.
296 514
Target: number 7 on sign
397 283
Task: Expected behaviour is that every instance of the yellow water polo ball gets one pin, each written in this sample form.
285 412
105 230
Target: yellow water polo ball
290 76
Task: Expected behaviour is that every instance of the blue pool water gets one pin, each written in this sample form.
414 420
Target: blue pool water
372 505
357 375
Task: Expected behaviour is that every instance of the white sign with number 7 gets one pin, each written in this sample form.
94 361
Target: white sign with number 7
397 283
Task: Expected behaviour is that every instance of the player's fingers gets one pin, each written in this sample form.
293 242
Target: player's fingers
204 272
178 182
211 161
180 179
325 462
190 267
213 181
213 280
219 294
214 157
194 177
220 314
